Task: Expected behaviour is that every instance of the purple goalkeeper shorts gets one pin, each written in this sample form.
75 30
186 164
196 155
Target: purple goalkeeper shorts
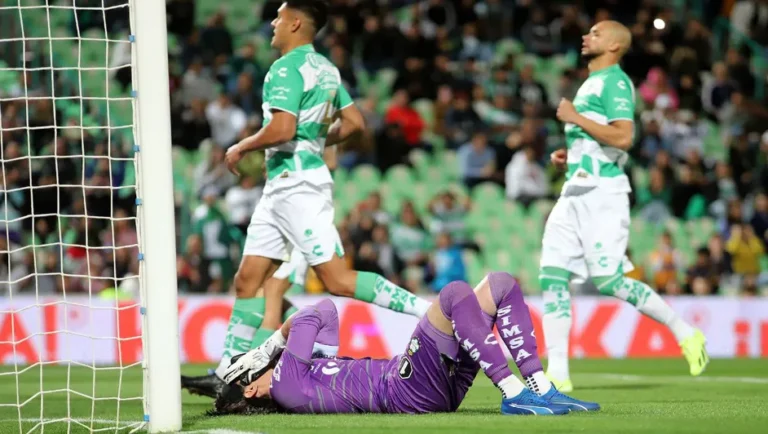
432 375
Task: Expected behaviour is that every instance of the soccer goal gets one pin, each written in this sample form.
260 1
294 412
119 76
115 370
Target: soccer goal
89 337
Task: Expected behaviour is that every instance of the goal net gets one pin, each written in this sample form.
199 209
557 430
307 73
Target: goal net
88 309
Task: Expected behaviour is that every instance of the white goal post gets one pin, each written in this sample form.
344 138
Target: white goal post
89 331
156 215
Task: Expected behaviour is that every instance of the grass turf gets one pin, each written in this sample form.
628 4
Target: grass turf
648 396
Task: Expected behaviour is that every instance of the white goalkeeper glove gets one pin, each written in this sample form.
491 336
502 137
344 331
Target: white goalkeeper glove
246 367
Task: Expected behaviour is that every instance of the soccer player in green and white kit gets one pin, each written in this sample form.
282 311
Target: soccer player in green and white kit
306 108
587 232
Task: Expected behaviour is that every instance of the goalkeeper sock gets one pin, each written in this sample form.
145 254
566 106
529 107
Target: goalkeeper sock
373 288
513 321
459 304
646 300
244 322
556 320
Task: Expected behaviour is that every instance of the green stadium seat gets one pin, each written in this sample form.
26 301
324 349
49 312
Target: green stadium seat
366 177
400 178
487 193
420 160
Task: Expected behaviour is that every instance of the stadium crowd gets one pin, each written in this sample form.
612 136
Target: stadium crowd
459 98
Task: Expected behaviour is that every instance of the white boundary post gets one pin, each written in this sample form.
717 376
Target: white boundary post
156 215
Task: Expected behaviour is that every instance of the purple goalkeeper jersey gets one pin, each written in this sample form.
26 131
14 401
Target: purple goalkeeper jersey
432 376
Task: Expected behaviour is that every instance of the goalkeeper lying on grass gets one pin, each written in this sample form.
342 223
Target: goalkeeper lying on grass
447 349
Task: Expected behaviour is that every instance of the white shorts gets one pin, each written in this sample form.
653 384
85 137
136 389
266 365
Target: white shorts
588 234
295 270
295 220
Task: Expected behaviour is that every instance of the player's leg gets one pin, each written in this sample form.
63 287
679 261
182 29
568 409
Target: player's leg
313 233
274 291
605 246
561 252
458 311
501 297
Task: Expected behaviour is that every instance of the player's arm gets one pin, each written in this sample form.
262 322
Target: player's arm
617 134
284 89
349 121
618 100
330 158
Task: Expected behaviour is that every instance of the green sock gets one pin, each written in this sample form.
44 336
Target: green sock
260 336
373 288
247 314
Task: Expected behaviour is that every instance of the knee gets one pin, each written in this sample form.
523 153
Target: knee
452 294
340 282
609 285
245 286
501 284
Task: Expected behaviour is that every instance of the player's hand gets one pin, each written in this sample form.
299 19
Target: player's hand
566 112
247 367
234 155
559 158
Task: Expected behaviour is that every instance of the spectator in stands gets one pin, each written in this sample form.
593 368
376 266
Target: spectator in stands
246 96
529 90
400 112
472 46
657 84
745 249
192 126
192 269
211 225
665 262
367 259
241 200
447 264
409 238
568 29
477 160
215 38
449 216
759 219
213 172
373 206
525 179
226 119
385 253
702 277
655 201
460 121
197 83
537 34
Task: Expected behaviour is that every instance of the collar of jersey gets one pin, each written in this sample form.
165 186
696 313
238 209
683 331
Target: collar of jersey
604 70
305 47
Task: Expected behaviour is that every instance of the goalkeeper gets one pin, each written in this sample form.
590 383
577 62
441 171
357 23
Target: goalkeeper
448 348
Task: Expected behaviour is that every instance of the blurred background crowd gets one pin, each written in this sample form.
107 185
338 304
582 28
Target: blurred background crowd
451 178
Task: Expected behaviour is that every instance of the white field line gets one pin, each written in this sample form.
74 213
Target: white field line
677 378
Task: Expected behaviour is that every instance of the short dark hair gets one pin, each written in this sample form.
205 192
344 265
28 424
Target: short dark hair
231 402
317 10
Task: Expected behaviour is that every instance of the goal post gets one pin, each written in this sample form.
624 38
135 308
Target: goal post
155 214
89 331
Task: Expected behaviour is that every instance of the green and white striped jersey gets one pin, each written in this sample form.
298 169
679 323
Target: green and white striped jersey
606 96
307 85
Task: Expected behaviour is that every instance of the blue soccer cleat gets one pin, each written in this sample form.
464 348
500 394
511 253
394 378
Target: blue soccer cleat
554 397
527 403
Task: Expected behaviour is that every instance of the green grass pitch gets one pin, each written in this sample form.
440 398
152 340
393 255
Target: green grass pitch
638 396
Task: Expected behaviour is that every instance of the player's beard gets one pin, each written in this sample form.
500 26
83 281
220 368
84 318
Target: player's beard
590 55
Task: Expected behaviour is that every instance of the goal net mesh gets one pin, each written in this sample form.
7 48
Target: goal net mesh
70 311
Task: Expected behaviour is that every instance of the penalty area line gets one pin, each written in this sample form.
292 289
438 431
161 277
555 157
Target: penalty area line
679 378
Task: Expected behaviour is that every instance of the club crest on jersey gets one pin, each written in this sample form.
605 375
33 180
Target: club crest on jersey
413 346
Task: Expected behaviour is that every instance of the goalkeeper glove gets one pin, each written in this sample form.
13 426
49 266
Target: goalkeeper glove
247 367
